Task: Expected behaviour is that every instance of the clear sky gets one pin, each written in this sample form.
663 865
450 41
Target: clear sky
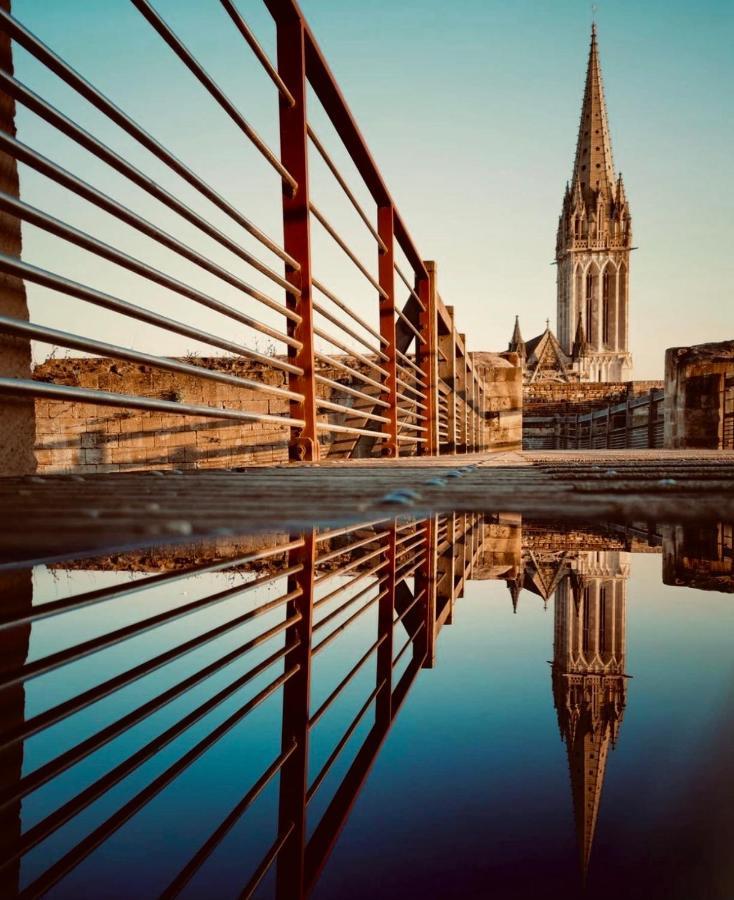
471 110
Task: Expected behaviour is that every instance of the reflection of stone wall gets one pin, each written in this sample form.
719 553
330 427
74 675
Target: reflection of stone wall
699 556
694 395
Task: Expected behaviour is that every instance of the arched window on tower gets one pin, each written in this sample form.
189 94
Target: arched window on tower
586 619
589 302
605 285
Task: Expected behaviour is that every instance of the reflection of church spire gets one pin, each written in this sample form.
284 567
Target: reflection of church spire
515 586
589 684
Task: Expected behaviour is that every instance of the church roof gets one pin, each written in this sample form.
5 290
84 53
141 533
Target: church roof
545 352
593 168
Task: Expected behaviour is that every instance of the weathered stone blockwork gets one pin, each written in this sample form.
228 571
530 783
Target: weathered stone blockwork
83 438
699 396
503 374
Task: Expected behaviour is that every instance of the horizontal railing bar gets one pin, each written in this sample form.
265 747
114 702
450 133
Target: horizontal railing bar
325 336
327 598
75 342
408 361
331 231
95 838
342 570
350 601
76 185
337 385
418 597
94 645
412 427
409 569
16 207
19 387
21 269
350 410
408 643
200 73
316 784
257 49
267 861
231 819
401 315
344 307
410 287
97 148
117 592
347 622
411 400
347 429
355 545
321 310
347 529
355 373
43 774
419 539
409 387
416 379
345 681
345 187
412 440
67 708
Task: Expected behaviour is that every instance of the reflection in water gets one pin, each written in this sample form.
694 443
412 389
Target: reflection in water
274 667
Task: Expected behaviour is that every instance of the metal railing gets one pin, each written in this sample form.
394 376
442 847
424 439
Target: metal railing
638 423
393 379
278 628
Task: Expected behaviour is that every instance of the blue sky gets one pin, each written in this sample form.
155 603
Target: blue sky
471 110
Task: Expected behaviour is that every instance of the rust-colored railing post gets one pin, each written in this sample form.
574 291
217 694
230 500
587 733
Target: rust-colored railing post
425 580
446 370
427 356
295 730
304 443
386 278
385 628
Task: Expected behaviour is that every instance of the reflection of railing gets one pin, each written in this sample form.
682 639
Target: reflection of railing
306 594
366 379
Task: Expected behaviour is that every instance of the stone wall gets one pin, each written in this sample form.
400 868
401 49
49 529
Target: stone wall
86 438
503 374
699 391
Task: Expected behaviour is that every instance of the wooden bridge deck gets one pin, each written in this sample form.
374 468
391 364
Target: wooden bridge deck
68 514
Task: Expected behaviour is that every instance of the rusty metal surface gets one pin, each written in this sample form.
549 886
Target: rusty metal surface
66 514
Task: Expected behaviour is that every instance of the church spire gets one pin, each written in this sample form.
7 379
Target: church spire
517 344
580 347
593 168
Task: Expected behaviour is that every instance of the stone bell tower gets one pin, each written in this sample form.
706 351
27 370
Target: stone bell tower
593 247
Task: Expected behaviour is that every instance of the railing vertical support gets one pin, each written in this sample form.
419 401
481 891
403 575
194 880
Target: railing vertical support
388 330
385 616
446 367
304 442
425 580
428 357
295 730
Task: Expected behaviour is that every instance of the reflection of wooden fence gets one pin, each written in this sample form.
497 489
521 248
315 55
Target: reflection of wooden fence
638 422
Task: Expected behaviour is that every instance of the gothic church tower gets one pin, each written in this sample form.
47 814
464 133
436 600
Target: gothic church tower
588 677
593 246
